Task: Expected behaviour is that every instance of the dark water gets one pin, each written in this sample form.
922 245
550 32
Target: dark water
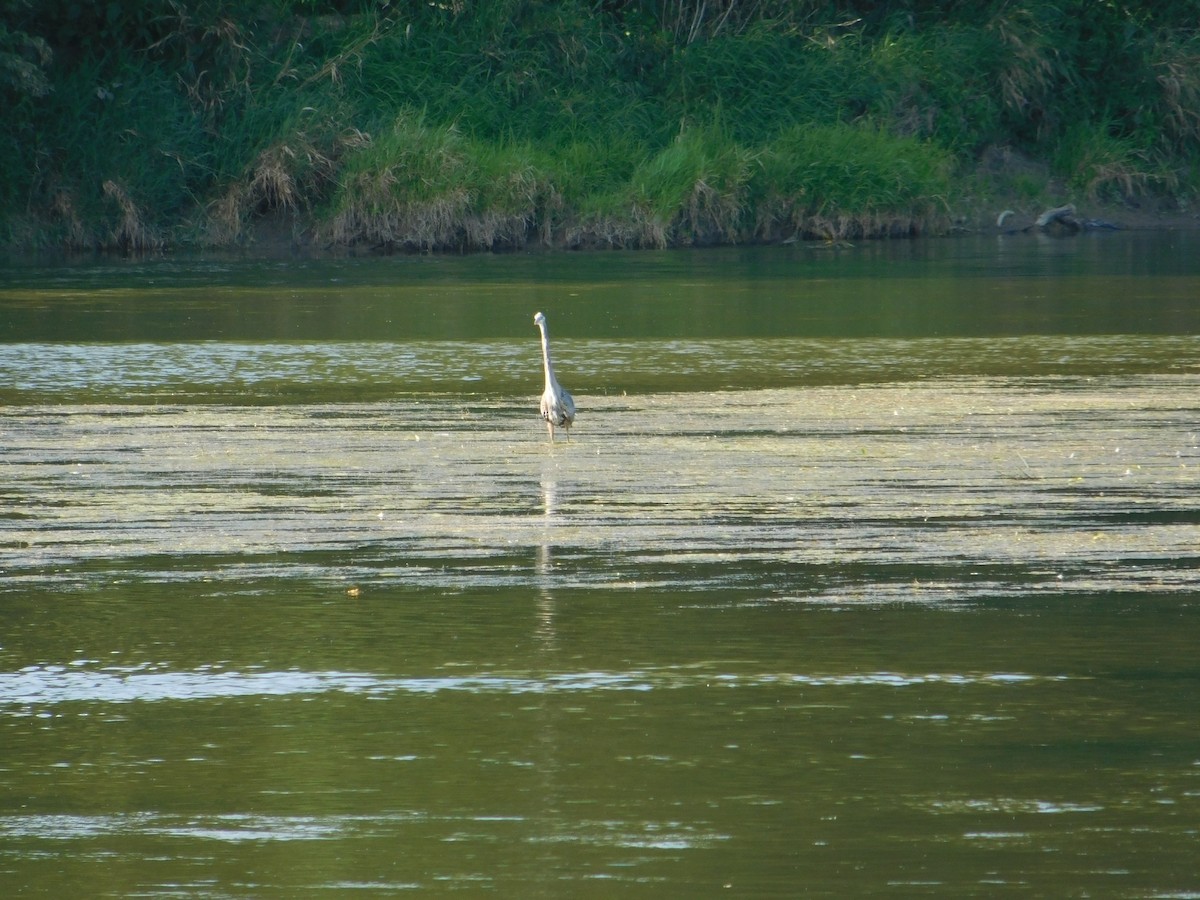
872 571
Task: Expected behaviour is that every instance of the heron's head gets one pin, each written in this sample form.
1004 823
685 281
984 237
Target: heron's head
539 319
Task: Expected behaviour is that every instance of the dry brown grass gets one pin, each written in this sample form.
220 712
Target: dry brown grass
1030 71
286 179
132 234
382 220
75 235
1179 78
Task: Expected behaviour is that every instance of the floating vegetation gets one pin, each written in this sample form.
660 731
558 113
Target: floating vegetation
928 493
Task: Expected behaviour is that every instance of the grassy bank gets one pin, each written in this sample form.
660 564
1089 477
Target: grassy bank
468 126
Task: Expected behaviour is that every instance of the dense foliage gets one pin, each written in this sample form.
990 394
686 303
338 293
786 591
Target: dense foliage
467 124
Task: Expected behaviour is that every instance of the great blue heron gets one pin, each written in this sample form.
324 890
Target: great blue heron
557 406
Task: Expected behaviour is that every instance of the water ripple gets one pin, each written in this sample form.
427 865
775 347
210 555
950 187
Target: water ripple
39 686
258 373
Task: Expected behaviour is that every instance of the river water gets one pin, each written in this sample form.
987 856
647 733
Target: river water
865 571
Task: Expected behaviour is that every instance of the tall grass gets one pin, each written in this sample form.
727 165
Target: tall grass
694 190
629 123
1101 164
429 187
840 181
111 147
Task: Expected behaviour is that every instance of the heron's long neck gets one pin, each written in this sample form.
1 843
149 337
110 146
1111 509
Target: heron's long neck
549 367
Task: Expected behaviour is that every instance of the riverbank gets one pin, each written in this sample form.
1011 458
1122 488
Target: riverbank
459 128
275 236
986 202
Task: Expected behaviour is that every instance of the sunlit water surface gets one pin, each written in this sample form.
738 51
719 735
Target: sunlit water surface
872 571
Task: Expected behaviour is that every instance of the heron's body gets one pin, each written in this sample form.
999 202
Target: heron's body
558 409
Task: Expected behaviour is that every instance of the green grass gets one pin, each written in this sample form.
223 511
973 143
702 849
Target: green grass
854 180
1101 165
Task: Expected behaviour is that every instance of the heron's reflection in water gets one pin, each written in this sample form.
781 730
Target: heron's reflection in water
557 826
545 561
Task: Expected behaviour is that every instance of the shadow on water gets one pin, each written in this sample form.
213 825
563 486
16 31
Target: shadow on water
824 596
1104 284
